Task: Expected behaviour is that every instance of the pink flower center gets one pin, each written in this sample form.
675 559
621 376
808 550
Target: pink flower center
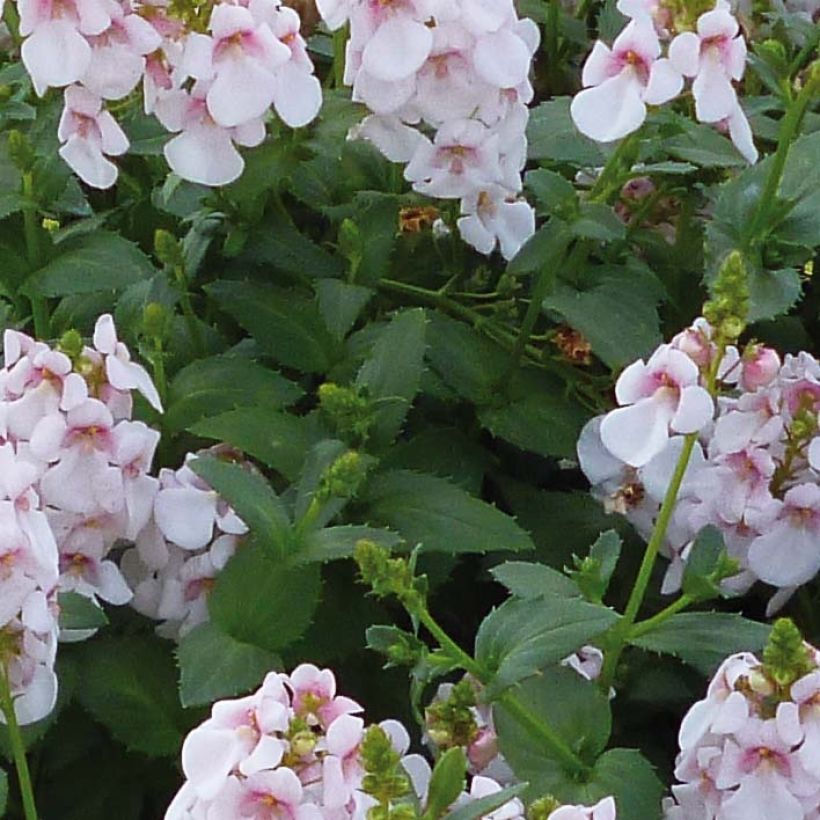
763 757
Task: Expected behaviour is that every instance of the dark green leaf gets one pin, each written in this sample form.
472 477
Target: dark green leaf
88 263
552 191
333 543
129 685
446 783
441 517
340 304
208 387
703 146
4 792
703 562
263 603
214 665
598 221
391 374
79 612
253 499
552 135
522 637
526 580
704 639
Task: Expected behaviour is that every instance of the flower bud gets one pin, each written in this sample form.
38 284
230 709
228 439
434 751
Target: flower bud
786 656
155 318
167 248
71 343
759 367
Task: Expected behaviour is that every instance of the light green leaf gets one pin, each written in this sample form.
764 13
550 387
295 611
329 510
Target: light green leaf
704 639
239 669
522 637
446 783
441 517
88 263
263 603
208 387
391 374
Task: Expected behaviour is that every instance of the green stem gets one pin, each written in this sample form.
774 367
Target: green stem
339 42
552 743
39 307
158 366
623 628
789 126
665 614
194 329
17 747
609 178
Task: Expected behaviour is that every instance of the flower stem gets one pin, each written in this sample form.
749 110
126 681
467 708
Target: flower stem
17 747
194 329
642 627
609 178
339 41
39 308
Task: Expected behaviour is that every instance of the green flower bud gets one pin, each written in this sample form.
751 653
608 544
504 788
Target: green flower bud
348 410
542 808
452 722
71 343
728 309
384 778
155 319
786 657
167 248
344 477
50 225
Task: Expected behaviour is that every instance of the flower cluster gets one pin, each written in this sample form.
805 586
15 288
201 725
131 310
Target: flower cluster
754 473
447 85
211 89
620 82
190 537
751 748
295 748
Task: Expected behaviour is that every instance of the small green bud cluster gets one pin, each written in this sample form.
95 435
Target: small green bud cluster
348 410
451 722
384 779
388 576
728 308
787 657
343 477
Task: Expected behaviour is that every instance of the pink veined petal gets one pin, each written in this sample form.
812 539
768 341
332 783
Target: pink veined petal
515 225
665 83
694 410
297 95
55 55
142 36
735 59
206 155
186 516
611 110
597 463
636 434
684 53
242 91
762 797
502 59
740 133
640 37
398 48
788 723
88 162
599 66
785 555
696 723
715 99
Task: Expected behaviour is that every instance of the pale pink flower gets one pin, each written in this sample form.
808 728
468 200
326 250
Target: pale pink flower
602 810
491 218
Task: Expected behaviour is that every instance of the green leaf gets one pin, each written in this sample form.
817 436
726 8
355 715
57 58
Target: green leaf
340 304
575 709
598 314
446 783
279 440
285 324
253 499
485 806
704 639
4 792
333 543
594 573
527 580
554 193
391 374
240 667
263 603
522 637
208 387
129 685
552 135
79 612
704 560
703 146
598 221
88 263
11 203
438 515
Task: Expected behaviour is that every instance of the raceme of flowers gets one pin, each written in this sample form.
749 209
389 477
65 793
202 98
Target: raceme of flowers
447 84
755 470
751 749
295 748
212 90
619 82
74 478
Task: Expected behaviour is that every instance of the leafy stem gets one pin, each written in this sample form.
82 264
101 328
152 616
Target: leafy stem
39 308
17 747
609 180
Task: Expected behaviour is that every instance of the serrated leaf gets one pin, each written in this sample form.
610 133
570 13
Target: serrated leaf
575 709
285 324
279 440
208 387
485 806
391 374
79 612
702 562
551 134
441 517
703 146
88 263
240 666
333 543
522 637
552 191
704 639
264 603
527 580
253 499
340 304
129 685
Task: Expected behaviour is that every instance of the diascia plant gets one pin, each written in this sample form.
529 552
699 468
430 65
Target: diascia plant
409 410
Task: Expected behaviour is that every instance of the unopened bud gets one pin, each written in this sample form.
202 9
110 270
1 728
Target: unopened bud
155 320
71 343
786 657
167 248
51 225
20 150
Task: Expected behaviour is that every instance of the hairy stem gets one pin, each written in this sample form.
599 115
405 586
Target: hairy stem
17 747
